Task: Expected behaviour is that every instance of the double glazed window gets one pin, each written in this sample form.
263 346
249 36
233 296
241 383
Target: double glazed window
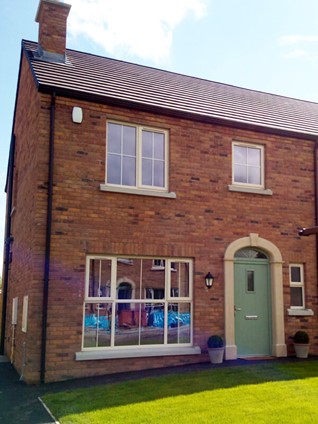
296 278
136 156
128 304
248 165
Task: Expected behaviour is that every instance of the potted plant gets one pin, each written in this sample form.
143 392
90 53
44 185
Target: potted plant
301 344
216 349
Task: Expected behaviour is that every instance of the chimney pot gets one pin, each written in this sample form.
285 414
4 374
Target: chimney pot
52 18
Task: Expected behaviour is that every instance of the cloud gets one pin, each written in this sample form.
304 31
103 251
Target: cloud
300 45
297 53
142 28
297 39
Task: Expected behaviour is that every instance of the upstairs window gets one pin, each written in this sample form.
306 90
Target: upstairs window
136 156
296 279
248 165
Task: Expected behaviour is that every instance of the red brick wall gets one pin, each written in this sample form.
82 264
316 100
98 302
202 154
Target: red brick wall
52 26
28 223
200 223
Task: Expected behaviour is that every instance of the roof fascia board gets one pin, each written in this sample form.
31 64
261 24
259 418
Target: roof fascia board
13 120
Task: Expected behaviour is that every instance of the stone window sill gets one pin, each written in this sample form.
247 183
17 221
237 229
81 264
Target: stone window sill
108 353
138 191
241 189
300 312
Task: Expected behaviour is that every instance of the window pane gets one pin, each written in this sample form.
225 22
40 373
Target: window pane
254 156
179 328
295 274
250 281
99 278
240 155
129 141
296 296
114 138
129 171
125 333
147 172
153 280
254 175
114 169
156 324
128 274
147 144
240 174
179 277
97 324
159 170
159 146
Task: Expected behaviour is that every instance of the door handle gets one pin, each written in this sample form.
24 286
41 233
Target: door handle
237 309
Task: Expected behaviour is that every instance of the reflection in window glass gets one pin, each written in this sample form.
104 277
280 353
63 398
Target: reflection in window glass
99 278
137 308
97 325
179 323
180 280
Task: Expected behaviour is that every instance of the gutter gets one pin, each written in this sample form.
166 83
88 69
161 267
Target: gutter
7 242
47 260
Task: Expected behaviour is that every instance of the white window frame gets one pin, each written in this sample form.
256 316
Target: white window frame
139 186
251 146
300 284
138 350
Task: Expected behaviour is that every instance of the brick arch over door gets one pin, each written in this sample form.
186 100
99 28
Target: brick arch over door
276 276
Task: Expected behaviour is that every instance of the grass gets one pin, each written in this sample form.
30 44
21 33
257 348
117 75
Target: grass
273 392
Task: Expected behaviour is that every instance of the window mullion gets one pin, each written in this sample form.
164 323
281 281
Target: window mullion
139 157
113 295
167 297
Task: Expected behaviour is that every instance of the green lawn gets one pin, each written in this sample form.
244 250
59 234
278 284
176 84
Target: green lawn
273 392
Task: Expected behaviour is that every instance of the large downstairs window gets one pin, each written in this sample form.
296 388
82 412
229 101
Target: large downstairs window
136 156
128 304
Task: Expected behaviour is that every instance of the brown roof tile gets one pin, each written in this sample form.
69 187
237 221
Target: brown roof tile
108 80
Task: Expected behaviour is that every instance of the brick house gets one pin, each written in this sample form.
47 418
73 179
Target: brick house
127 185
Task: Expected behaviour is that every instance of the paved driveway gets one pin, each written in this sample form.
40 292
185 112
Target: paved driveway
19 403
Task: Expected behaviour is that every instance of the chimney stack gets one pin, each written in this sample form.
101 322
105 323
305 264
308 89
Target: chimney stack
52 18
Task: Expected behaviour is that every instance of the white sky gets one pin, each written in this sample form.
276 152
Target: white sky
267 45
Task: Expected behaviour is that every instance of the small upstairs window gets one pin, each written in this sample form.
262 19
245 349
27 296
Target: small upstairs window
248 165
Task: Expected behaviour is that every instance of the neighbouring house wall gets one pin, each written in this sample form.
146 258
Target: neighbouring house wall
200 223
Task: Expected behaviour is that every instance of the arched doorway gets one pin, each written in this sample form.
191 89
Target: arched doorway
273 256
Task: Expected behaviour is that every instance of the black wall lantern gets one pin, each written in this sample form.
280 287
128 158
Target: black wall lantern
209 280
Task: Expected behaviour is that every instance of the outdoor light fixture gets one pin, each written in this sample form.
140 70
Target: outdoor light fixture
77 115
209 280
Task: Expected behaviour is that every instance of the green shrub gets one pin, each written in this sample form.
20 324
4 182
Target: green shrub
215 341
301 337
